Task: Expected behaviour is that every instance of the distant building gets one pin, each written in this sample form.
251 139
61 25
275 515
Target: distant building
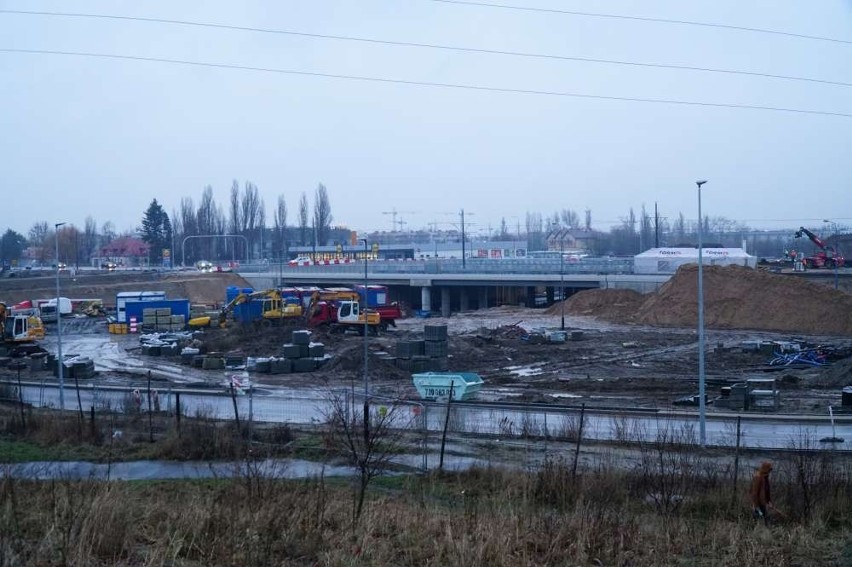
572 239
125 251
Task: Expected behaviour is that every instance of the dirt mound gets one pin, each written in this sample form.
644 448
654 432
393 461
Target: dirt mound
735 297
611 304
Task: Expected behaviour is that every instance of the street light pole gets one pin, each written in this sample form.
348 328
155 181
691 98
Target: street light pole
836 240
363 311
702 405
562 279
59 365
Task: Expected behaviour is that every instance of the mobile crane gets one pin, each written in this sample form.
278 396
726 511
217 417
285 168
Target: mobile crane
827 257
341 310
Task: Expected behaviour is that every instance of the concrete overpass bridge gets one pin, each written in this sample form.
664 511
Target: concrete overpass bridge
448 285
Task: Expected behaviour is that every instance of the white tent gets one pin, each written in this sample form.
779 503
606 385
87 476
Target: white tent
668 260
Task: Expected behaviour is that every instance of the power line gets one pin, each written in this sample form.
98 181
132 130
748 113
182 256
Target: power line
422 83
647 19
460 49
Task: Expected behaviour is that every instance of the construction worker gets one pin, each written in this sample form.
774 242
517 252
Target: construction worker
761 496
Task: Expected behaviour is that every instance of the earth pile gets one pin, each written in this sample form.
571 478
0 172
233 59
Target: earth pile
735 297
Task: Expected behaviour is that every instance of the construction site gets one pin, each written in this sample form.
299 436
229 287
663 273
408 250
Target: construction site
774 343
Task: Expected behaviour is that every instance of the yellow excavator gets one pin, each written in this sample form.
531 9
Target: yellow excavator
21 331
274 310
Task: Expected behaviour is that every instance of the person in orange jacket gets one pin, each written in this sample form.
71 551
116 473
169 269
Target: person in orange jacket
761 496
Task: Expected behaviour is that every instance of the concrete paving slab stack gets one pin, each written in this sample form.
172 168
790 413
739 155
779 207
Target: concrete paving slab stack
424 355
301 354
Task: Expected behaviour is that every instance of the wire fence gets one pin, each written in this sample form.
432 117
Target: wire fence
425 423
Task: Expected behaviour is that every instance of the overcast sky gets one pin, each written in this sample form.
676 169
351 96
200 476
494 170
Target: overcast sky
84 136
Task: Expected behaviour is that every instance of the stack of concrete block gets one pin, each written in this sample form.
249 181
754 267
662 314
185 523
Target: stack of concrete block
299 355
78 367
161 319
428 354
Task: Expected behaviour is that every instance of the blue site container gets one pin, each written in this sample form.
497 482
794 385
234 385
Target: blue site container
248 312
231 292
376 294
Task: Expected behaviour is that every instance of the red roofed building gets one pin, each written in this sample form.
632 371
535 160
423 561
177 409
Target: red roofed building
124 251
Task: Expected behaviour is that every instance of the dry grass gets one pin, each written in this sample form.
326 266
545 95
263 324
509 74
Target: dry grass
481 517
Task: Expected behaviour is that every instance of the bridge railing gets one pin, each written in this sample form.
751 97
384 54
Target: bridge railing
456 266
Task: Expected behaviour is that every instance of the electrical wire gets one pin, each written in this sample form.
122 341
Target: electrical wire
459 49
647 19
458 86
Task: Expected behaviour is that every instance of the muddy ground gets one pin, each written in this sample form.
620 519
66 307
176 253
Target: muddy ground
616 362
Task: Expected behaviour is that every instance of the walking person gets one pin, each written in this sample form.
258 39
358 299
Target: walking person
761 495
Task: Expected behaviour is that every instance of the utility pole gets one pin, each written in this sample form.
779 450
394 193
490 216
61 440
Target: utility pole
462 239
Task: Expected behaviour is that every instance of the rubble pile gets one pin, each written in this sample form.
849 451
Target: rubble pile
735 297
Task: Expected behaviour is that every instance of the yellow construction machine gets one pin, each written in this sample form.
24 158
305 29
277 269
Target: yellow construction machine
273 309
21 331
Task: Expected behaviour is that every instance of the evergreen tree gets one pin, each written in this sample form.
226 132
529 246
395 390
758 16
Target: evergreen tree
156 230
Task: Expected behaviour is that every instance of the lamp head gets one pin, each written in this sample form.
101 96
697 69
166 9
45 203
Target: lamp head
700 182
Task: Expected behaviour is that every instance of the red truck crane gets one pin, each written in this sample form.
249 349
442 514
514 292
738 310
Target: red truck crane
325 307
827 256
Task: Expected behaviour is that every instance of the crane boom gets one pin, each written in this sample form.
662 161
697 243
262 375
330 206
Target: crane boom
814 238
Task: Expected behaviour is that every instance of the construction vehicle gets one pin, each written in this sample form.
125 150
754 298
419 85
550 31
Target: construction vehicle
265 307
341 310
21 331
827 256
376 299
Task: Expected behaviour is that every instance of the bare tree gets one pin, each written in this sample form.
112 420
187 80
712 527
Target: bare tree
645 230
570 218
369 445
680 228
303 219
189 227
38 240
207 218
261 227
89 243
280 220
236 223
588 223
535 226
250 212
504 229
322 215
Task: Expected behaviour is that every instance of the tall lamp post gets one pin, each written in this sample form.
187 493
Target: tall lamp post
59 365
363 311
836 251
561 277
702 405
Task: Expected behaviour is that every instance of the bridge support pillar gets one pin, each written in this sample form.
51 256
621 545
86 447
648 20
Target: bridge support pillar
426 298
483 297
463 299
551 294
530 296
445 301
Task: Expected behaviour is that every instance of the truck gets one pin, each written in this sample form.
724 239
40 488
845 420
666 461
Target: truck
21 331
342 315
48 309
827 256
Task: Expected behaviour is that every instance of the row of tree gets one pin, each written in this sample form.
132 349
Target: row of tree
239 231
